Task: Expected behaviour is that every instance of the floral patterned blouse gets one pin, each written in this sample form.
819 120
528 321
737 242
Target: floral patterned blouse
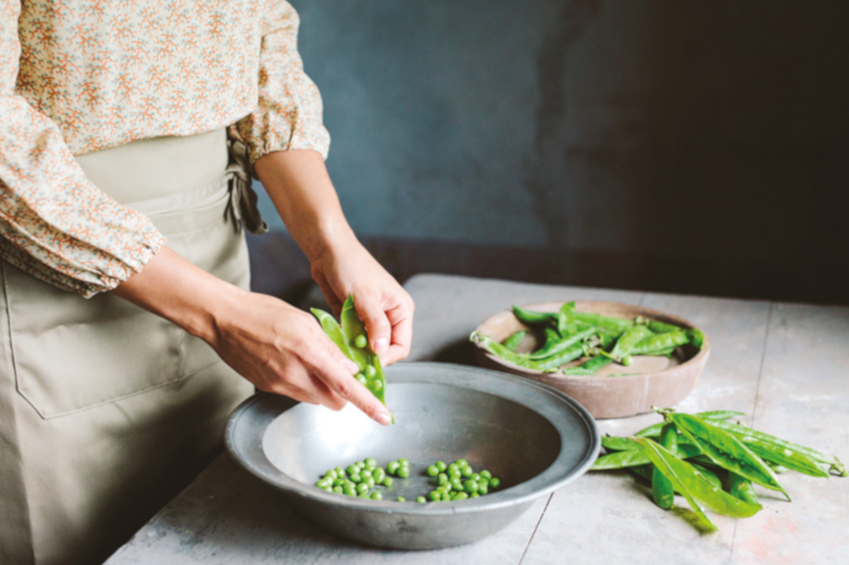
81 75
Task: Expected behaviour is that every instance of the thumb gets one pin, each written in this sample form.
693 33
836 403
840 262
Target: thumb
377 325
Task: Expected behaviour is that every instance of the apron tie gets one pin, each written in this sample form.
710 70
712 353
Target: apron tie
242 206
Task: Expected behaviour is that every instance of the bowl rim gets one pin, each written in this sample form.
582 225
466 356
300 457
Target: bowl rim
253 459
649 312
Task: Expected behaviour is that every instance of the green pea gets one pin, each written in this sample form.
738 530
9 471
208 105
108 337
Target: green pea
331 474
365 473
328 488
370 482
350 491
338 482
338 490
433 470
470 486
442 478
340 472
461 462
403 461
476 477
357 478
404 472
467 471
494 482
378 474
362 487
627 360
360 464
457 484
486 474
352 469
376 385
371 462
392 467
483 487
421 499
401 499
453 466
460 496
376 496
441 466
365 495
360 341
362 378
435 495
387 481
455 472
371 371
474 495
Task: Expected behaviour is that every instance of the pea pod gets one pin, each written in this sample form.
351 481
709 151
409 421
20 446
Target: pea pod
618 443
333 331
352 339
662 341
791 455
513 341
707 474
726 451
636 457
629 339
561 358
552 338
589 368
561 345
661 487
712 415
694 486
741 487
524 360
662 327
530 317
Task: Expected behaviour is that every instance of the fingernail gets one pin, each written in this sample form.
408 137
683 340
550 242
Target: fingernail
381 345
350 366
383 419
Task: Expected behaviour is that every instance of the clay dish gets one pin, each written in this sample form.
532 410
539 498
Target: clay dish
615 391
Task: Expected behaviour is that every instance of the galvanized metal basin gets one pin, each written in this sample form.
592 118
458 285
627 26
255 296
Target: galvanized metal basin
533 437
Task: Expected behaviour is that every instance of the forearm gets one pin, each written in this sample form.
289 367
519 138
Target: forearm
299 185
172 287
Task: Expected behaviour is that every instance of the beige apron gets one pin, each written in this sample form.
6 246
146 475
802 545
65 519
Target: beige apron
106 410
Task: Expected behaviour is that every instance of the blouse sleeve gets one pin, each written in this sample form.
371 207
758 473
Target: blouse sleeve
289 110
54 223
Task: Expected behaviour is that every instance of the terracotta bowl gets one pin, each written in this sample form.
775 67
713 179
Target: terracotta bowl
615 391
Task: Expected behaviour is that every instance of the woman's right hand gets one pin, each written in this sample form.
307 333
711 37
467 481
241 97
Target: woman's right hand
276 346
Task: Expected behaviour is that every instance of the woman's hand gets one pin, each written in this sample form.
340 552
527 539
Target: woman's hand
300 188
277 347
385 308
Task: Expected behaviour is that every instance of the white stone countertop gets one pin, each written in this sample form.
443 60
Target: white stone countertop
785 365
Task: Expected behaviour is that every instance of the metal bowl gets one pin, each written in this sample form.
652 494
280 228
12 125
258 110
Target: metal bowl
533 437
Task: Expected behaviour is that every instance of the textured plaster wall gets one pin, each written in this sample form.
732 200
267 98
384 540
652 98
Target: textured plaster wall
714 129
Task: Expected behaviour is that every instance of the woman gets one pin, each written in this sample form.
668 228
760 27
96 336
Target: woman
125 277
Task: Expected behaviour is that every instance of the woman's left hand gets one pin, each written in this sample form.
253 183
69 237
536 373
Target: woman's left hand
385 308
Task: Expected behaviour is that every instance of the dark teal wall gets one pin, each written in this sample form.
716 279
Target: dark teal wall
715 130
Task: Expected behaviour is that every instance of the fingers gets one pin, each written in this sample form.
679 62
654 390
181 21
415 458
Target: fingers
374 319
401 318
345 386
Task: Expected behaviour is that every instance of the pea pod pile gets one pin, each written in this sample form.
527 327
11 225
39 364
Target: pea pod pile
711 462
350 337
595 339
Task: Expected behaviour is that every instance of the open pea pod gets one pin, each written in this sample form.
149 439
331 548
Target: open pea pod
726 451
741 487
552 348
351 338
775 450
693 485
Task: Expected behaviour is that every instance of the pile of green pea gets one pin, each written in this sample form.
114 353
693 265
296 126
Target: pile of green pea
361 477
457 481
